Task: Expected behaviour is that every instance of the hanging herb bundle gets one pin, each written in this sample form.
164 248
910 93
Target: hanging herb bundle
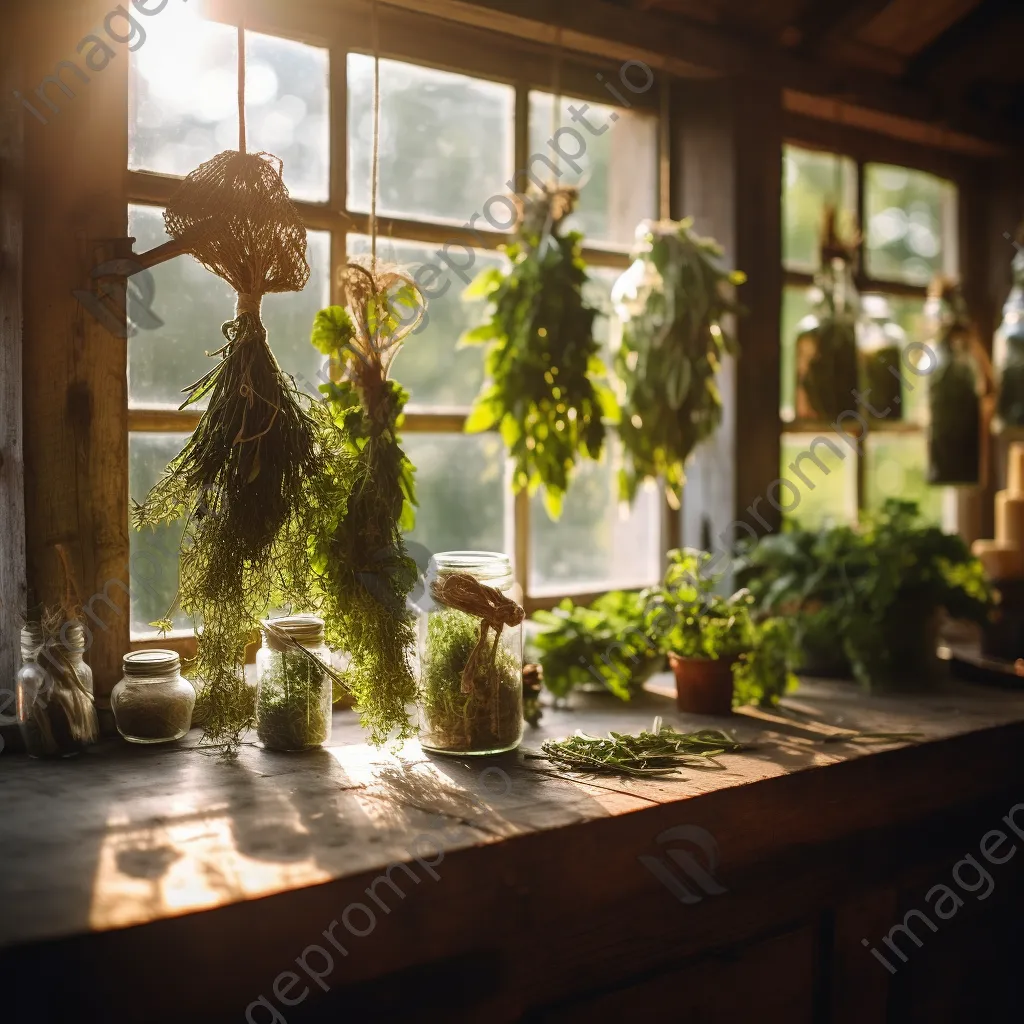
546 393
826 344
364 569
250 481
672 301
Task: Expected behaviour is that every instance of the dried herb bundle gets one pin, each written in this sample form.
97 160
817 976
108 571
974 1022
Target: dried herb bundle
661 751
672 301
364 569
251 481
546 392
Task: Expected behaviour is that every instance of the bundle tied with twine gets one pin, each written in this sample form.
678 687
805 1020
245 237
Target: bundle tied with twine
467 594
250 479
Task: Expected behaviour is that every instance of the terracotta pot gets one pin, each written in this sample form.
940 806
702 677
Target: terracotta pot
703 686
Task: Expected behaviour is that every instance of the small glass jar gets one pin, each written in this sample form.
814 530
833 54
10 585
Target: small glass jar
293 686
954 398
152 703
1008 352
54 692
471 655
826 345
880 344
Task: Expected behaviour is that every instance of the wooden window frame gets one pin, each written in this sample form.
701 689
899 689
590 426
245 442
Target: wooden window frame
427 42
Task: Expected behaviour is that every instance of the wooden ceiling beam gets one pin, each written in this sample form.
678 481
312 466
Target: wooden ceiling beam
827 19
957 40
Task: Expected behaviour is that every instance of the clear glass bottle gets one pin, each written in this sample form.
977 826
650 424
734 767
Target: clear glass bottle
152 703
1008 352
54 692
471 655
880 344
826 344
954 395
293 686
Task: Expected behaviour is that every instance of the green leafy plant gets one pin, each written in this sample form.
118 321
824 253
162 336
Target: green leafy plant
359 555
545 392
603 642
672 302
764 674
876 588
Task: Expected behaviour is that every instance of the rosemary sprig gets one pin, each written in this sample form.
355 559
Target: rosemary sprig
659 752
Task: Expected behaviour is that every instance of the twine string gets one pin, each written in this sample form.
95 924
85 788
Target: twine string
465 593
241 82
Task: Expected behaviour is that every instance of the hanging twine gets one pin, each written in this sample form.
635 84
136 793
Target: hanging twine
467 594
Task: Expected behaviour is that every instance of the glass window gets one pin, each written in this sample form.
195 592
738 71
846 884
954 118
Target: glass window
822 470
796 304
431 365
187 306
597 543
153 565
183 106
811 179
896 468
911 224
612 153
460 483
446 141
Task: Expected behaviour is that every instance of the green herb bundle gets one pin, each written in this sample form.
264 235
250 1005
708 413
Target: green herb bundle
672 302
605 642
359 555
545 392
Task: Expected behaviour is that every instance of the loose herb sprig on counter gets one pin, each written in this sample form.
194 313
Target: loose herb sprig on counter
546 390
672 302
659 752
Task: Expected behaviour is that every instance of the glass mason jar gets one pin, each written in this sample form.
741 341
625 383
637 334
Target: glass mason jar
471 655
954 400
1008 352
152 703
54 692
293 686
826 346
880 344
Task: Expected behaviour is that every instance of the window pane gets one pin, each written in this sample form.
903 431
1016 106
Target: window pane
810 180
153 565
597 543
184 100
909 314
617 161
445 140
460 482
795 306
431 365
897 468
820 493
911 224
178 309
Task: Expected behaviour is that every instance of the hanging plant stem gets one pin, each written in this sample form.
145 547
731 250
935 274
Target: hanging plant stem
545 393
672 301
364 570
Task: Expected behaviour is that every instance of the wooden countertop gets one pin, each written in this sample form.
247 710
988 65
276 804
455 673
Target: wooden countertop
129 835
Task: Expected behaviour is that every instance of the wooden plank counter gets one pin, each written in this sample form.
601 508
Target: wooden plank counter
164 884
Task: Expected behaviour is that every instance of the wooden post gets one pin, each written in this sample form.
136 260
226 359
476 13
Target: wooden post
12 463
75 397
729 146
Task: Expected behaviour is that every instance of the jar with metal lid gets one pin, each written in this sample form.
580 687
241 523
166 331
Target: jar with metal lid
293 684
153 703
54 691
471 655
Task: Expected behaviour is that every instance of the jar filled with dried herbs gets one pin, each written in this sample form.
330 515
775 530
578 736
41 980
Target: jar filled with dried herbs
880 344
54 689
954 393
152 703
293 684
826 343
471 655
1008 351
